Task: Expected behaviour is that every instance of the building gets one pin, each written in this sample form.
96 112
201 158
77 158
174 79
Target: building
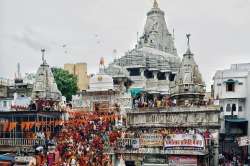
180 129
21 124
105 93
4 88
231 88
154 62
80 71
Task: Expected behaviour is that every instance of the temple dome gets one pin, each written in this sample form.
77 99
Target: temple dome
101 82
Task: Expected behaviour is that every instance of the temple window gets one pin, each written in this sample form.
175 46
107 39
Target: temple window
171 77
135 72
148 74
161 76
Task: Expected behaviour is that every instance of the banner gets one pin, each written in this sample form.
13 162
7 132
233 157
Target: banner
184 141
182 161
128 143
151 140
243 141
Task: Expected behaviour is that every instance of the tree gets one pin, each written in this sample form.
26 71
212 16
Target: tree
66 82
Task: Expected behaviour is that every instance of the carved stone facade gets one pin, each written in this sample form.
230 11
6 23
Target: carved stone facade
188 132
180 118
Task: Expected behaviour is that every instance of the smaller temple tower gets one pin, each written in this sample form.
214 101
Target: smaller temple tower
188 88
45 91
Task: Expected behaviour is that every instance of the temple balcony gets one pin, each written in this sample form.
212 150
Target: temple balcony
200 117
188 89
151 84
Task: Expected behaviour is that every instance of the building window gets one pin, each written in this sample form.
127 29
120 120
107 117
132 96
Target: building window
234 107
240 109
4 103
221 109
230 85
228 108
219 84
240 83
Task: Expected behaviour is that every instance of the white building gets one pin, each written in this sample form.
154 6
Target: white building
232 89
105 93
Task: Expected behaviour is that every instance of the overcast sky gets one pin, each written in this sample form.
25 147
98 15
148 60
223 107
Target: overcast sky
83 31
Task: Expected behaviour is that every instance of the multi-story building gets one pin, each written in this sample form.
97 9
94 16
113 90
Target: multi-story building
80 71
231 88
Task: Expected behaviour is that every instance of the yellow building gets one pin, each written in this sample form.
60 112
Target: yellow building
80 71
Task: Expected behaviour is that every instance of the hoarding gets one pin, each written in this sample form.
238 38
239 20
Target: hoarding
128 143
184 141
243 141
151 140
182 161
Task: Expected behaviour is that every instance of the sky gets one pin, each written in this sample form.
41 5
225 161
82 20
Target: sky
75 31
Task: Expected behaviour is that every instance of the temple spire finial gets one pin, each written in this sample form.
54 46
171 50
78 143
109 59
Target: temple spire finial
43 51
155 4
101 65
188 43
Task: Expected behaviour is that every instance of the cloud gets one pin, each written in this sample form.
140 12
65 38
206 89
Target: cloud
33 38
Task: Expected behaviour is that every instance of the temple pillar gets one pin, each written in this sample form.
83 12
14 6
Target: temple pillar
142 72
167 76
155 74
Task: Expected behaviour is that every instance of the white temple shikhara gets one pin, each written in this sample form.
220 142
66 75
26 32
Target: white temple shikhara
45 87
154 62
188 87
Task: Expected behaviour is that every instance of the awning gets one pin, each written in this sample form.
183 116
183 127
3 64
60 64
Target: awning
135 91
236 120
231 81
7 158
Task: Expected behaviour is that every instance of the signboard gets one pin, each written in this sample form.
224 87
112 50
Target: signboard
128 143
151 140
182 161
184 141
243 141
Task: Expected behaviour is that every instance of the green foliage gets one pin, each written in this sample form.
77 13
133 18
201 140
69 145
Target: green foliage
66 82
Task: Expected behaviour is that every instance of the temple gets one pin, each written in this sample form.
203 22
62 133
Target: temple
154 62
188 87
170 122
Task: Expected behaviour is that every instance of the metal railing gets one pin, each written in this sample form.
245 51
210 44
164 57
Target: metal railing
20 142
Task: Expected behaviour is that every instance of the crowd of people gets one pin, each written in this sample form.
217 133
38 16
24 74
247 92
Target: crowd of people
83 144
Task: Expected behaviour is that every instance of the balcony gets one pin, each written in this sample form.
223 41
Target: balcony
23 142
